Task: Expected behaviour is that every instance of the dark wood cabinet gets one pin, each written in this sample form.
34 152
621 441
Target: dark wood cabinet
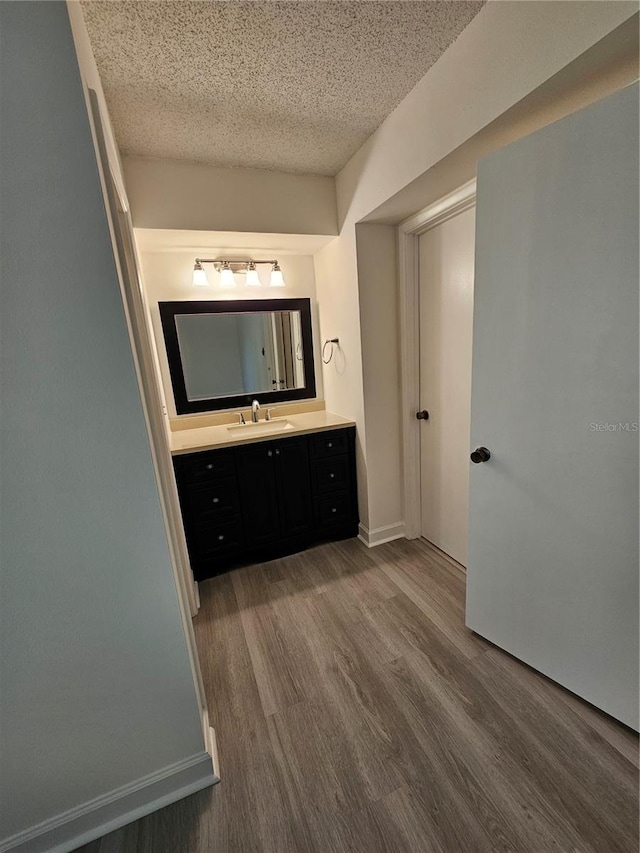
294 487
259 493
262 500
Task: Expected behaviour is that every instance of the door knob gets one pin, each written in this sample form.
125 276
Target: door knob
423 415
480 454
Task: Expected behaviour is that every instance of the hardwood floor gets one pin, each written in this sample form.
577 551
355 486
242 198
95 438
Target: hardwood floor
355 712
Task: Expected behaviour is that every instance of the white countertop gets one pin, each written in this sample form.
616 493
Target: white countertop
210 438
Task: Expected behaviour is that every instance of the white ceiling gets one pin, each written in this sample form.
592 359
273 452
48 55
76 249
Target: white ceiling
292 86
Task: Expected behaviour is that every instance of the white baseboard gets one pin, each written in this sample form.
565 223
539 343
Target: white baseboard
380 535
83 824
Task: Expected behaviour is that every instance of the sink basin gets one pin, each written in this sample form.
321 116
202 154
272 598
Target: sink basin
261 428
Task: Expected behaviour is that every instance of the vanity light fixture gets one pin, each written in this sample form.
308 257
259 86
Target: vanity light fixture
199 275
277 279
227 278
252 279
228 267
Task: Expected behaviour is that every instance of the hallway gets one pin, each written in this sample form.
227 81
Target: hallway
355 712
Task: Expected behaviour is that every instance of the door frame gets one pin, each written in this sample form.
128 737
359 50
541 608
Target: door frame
130 280
409 309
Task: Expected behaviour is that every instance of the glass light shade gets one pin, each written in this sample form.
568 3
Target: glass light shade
277 279
227 278
253 279
199 277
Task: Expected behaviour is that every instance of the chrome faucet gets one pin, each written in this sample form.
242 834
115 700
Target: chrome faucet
255 405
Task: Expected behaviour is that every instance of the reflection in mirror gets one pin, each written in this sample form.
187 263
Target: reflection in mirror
224 355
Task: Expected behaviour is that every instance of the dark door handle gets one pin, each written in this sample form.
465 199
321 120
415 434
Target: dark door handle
423 415
480 454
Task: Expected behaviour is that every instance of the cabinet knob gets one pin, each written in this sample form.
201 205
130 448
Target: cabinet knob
277 453
269 453
329 444
221 537
210 466
216 500
331 476
333 509
423 415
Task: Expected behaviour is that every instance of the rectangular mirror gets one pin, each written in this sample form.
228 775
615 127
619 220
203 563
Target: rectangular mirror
223 354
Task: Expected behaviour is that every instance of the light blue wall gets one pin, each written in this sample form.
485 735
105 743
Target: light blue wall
96 687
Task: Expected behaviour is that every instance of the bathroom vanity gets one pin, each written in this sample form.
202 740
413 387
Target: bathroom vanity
249 498
274 482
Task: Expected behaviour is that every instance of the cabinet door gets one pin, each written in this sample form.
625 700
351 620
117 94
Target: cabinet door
294 486
259 493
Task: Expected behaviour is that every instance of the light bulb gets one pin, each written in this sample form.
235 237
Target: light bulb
199 276
252 280
227 278
277 279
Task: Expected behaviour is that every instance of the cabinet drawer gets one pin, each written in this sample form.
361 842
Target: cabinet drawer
331 474
330 443
334 510
212 500
209 539
200 467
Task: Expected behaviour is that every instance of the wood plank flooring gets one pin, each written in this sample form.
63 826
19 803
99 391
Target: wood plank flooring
355 712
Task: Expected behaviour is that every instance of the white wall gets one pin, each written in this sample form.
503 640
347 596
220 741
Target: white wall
376 257
97 690
466 90
168 276
336 269
194 196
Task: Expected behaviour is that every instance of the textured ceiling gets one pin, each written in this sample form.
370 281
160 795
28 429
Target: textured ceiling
293 86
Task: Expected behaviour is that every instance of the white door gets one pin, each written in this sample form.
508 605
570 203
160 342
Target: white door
446 257
553 536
